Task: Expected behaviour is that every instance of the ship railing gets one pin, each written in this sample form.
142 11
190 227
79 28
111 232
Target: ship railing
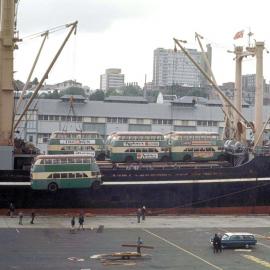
262 151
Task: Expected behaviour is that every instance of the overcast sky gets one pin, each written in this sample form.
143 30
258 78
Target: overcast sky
124 33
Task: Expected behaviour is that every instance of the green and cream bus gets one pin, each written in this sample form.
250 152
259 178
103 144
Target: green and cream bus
137 146
195 146
53 172
82 142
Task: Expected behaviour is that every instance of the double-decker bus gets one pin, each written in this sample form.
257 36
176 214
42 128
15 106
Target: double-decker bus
137 146
53 172
67 142
195 146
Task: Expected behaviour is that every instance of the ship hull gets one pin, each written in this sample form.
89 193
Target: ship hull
245 185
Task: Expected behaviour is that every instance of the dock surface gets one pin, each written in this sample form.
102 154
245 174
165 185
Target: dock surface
180 242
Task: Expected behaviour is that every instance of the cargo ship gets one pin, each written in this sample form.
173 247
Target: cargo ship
242 180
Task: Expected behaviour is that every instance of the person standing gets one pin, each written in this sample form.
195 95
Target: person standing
215 243
81 221
143 212
33 215
11 209
20 218
139 244
72 224
139 213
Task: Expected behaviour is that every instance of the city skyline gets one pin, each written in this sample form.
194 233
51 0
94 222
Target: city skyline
124 34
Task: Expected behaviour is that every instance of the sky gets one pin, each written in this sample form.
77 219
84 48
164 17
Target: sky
124 33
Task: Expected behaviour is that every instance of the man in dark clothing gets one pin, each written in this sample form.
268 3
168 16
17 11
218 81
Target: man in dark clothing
216 240
143 212
33 214
219 243
72 224
139 213
81 221
11 209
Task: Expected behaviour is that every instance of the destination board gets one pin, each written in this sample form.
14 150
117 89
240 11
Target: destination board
77 141
140 144
147 155
89 153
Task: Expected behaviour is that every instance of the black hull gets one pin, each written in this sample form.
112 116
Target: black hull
154 196
245 185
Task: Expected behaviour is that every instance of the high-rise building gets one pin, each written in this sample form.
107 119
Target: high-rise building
249 88
112 79
172 67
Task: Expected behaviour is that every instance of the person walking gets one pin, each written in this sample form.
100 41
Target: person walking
143 212
81 221
20 218
72 224
33 215
11 209
139 213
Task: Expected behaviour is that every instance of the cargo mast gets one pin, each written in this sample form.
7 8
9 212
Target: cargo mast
7 27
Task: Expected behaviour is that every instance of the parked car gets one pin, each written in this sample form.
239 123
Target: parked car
237 240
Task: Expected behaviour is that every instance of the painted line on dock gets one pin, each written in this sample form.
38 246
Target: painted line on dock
182 249
257 260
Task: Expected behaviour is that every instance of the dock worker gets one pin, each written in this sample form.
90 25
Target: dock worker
139 243
139 213
33 215
216 241
20 218
11 209
143 212
72 224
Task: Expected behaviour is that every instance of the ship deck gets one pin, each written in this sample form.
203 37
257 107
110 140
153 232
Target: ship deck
179 243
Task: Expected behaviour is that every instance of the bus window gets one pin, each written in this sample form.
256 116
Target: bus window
79 175
63 161
49 176
70 160
77 160
71 175
56 175
144 150
48 161
156 150
64 175
56 161
138 150
85 175
151 150
132 150
42 161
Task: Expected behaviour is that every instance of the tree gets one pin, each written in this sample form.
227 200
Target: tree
131 90
97 95
73 91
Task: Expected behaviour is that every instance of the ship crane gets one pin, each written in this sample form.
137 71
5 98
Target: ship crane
238 116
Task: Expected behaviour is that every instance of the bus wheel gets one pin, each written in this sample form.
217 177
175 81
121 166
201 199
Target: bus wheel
165 159
187 158
129 159
52 187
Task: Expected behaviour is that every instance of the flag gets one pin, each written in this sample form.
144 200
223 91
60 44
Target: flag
239 34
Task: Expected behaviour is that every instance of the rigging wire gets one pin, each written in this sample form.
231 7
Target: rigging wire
51 30
213 198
